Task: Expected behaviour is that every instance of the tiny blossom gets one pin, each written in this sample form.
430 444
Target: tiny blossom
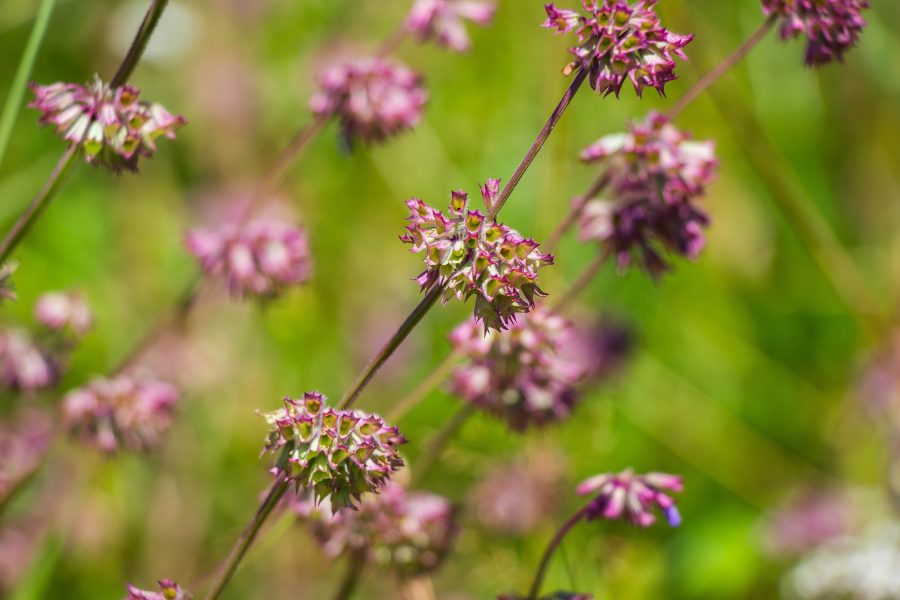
467 254
336 454
619 42
110 124
444 20
23 443
121 412
831 26
23 365
409 532
64 311
260 258
168 590
522 375
7 290
373 99
656 172
632 496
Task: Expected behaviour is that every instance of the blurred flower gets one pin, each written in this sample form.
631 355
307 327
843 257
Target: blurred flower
656 172
521 375
121 412
259 258
444 20
336 454
602 348
19 542
23 443
168 590
632 496
553 596
372 98
617 41
879 385
24 366
111 125
7 290
409 532
808 520
64 311
831 26
468 255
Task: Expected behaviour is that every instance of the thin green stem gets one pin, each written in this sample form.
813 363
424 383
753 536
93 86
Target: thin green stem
431 381
551 548
139 44
439 441
23 72
582 282
355 565
575 212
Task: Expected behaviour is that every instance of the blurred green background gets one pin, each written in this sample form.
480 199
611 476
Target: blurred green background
746 364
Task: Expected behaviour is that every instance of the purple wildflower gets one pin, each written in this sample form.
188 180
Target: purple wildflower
168 590
372 98
121 412
618 41
67 311
831 26
111 125
468 255
656 173
632 496
24 366
260 258
335 454
444 20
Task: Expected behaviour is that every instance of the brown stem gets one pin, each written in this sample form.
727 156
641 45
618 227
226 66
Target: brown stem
151 19
551 548
390 45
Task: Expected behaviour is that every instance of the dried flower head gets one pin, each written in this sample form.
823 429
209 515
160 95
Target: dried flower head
467 254
335 454
121 412
656 172
24 366
110 124
522 375
632 496
7 290
831 26
168 590
372 98
64 311
260 258
618 41
444 20
408 532
23 443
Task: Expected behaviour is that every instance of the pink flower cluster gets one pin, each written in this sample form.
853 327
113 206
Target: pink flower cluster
469 255
619 42
110 124
656 172
372 98
25 366
260 258
632 496
168 590
444 21
121 412
64 311
831 26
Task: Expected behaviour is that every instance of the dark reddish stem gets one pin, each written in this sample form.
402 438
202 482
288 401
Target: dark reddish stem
551 548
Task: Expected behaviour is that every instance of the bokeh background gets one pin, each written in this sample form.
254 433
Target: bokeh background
746 364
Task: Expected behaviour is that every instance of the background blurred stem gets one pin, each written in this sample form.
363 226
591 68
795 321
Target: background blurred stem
356 562
575 212
431 381
583 281
551 548
439 441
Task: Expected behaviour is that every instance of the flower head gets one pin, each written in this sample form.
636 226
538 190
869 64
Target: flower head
469 255
831 26
24 366
168 590
64 311
121 412
444 20
632 496
110 124
655 172
372 98
335 454
260 258
619 42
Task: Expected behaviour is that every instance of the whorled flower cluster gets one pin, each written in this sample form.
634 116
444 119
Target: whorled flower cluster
372 98
168 590
619 42
831 26
526 375
632 497
110 125
122 412
444 21
24 365
65 312
656 173
407 532
468 255
260 258
332 453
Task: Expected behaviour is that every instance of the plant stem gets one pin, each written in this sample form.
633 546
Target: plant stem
279 487
20 81
355 564
551 548
139 44
726 65
575 212
582 282
393 42
439 441
431 381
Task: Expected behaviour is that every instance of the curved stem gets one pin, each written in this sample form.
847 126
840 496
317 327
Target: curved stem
551 548
355 565
440 440
582 282
139 44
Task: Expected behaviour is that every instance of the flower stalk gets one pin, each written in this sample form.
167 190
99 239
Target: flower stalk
558 538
